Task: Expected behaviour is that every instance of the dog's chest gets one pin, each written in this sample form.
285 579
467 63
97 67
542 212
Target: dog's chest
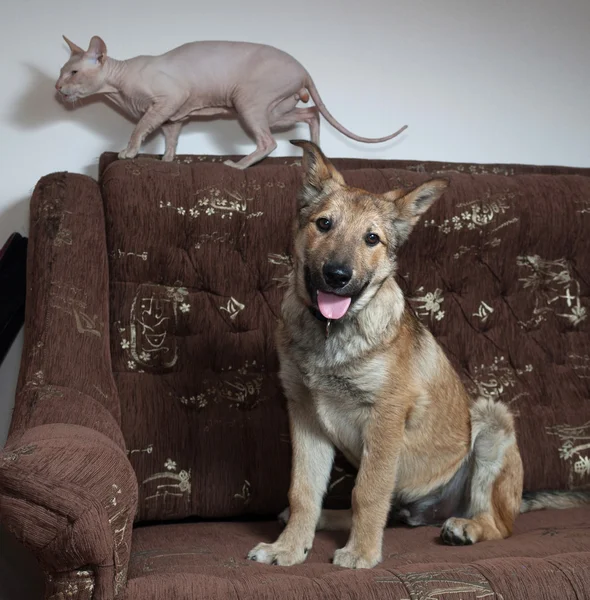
344 422
343 399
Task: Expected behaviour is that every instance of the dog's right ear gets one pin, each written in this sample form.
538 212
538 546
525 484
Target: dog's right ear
410 206
319 174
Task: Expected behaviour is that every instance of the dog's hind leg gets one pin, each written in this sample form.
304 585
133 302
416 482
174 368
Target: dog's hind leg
495 489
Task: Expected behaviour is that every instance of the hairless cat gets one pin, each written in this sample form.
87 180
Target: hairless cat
258 84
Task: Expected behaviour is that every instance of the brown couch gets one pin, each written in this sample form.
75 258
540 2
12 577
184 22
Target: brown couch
149 449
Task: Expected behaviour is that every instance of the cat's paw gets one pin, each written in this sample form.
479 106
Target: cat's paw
127 153
278 554
235 165
352 559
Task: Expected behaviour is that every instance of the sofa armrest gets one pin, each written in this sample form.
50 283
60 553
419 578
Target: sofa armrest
67 342
67 489
69 494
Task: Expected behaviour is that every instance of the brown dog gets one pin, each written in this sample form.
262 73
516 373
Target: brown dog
362 374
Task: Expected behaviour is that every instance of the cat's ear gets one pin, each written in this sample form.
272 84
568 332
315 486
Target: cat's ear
73 48
97 50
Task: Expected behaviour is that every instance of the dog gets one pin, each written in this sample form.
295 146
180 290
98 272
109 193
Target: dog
362 374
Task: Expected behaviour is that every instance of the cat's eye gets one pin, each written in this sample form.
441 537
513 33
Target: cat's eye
372 239
324 224
73 72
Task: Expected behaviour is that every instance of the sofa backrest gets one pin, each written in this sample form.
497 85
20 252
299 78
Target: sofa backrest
498 269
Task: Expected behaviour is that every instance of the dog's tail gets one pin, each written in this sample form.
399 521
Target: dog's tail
553 499
310 85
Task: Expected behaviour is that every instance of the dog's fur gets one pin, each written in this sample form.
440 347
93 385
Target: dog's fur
376 385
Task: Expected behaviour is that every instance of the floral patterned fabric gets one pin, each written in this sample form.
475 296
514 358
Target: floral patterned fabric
148 387
199 254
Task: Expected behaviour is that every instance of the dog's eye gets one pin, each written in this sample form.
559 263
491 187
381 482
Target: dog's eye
372 239
73 72
324 224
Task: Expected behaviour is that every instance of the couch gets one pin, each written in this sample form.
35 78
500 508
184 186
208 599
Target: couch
149 447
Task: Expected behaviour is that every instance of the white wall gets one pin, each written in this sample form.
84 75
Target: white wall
476 80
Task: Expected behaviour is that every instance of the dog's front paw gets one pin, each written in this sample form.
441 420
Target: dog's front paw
278 554
458 532
351 559
127 153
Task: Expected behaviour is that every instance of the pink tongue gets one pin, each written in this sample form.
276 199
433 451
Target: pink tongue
332 306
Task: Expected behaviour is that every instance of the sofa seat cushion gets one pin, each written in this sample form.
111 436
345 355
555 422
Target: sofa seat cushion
547 557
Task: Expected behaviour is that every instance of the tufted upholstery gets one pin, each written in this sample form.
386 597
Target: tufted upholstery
504 293
164 363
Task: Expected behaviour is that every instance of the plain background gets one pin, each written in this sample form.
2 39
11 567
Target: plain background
476 80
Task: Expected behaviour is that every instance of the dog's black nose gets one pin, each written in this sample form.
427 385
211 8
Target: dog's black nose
337 276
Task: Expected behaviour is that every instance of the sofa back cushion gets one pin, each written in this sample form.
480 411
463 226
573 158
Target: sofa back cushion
498 269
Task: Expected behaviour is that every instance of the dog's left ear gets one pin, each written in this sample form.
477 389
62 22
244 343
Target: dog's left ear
319 174
411 206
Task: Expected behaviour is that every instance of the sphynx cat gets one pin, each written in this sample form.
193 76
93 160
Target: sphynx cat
258 84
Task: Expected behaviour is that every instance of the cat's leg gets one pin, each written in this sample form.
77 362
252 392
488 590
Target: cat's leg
171 134
301 115
265 144
255 120
496 480
153 118
313 455
314 125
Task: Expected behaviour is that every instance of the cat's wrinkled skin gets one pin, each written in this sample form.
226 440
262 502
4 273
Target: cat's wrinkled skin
258 84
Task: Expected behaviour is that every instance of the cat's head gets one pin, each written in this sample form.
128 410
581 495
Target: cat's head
84 73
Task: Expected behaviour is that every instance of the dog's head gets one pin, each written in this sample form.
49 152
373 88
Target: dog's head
347 239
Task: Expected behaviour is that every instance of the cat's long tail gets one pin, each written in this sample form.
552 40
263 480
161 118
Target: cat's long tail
553 499
310 85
